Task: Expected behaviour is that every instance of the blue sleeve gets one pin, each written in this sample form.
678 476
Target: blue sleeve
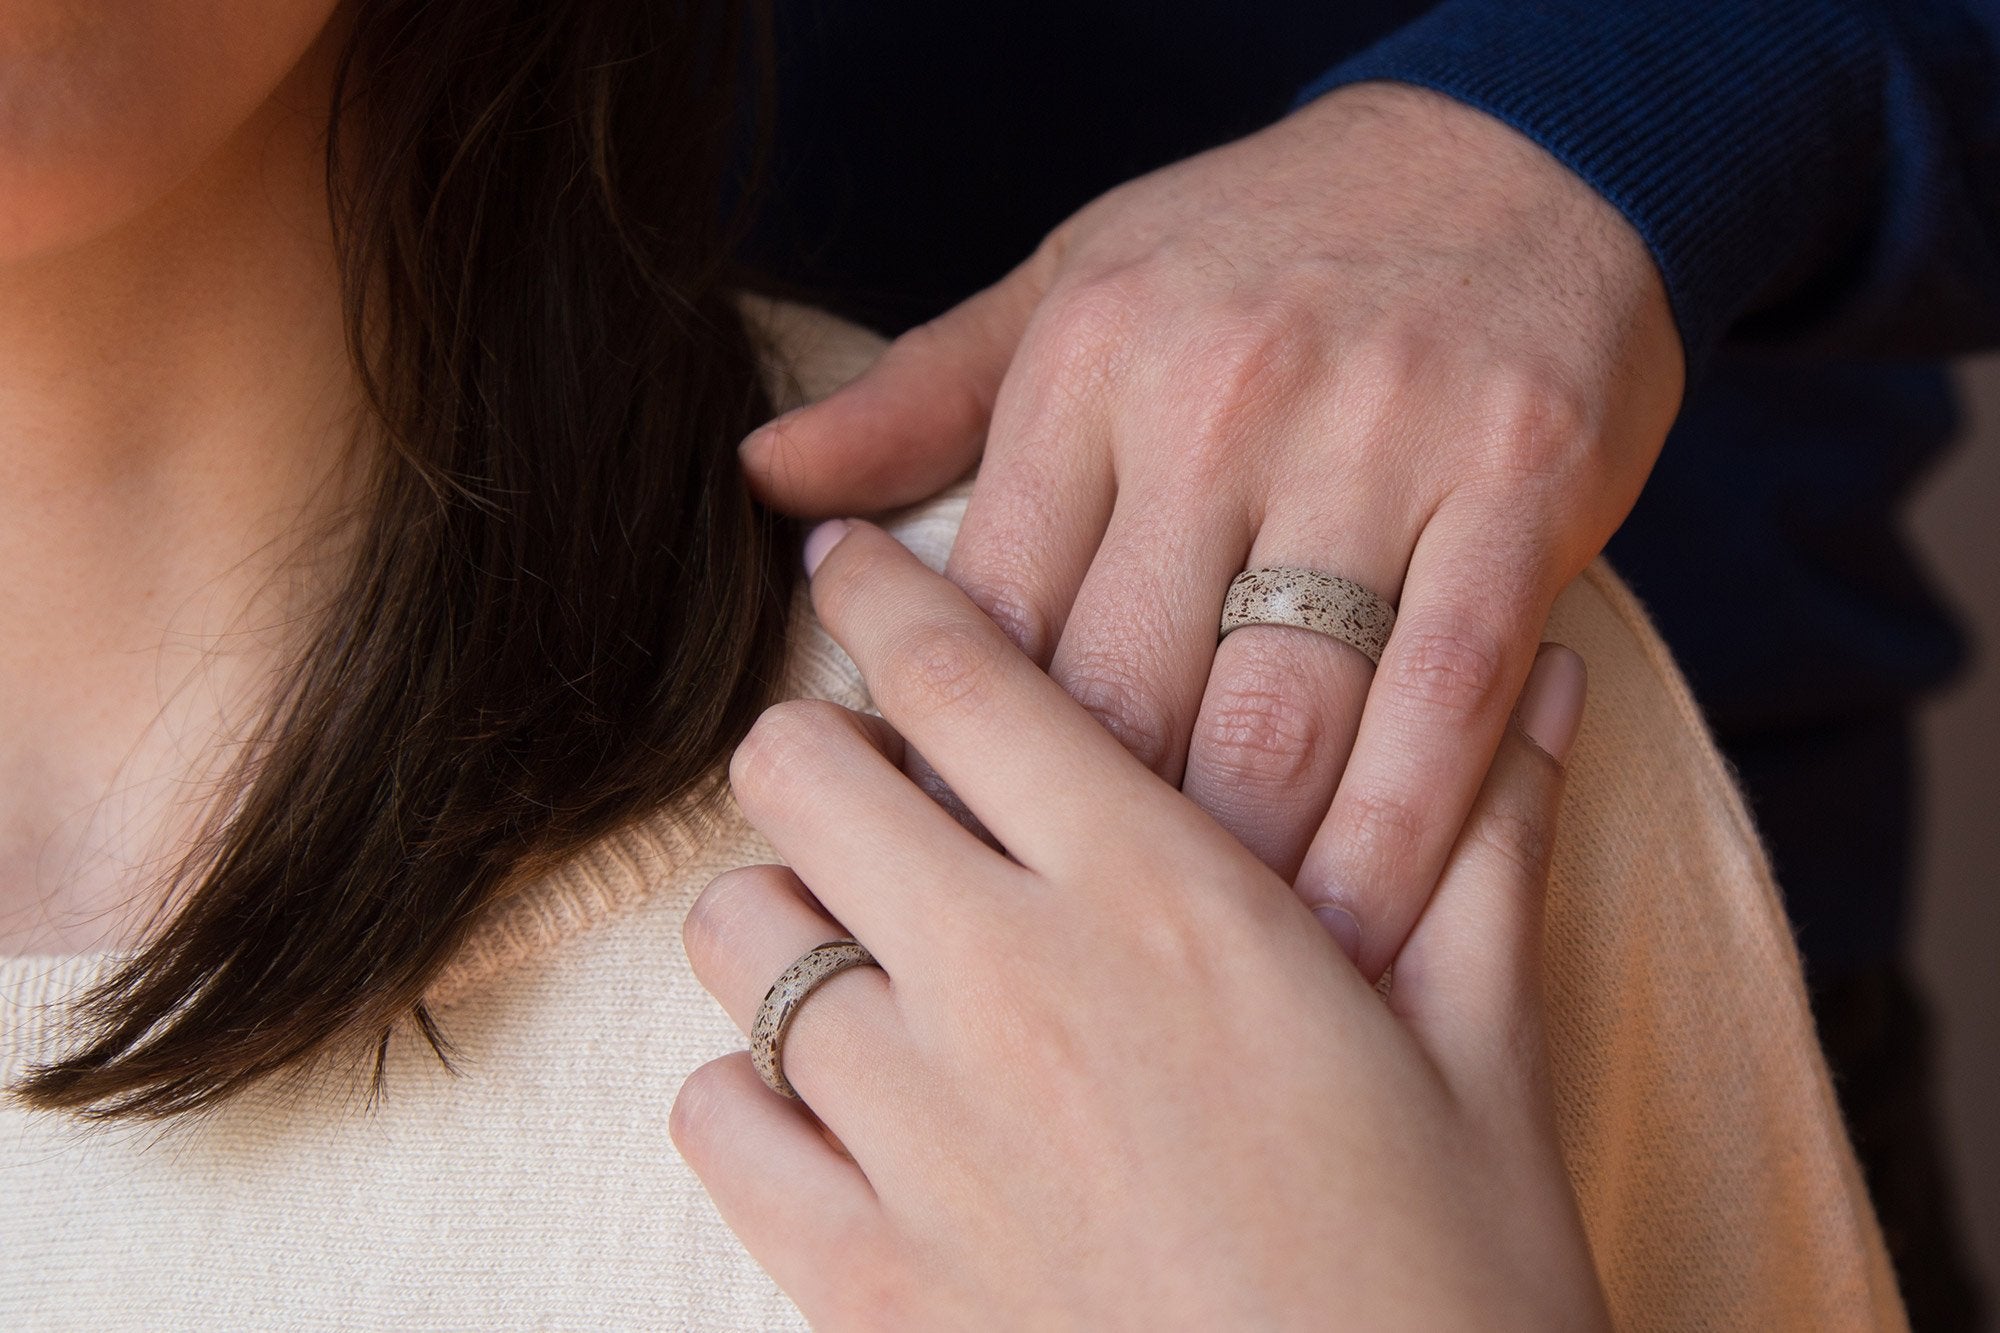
1813 174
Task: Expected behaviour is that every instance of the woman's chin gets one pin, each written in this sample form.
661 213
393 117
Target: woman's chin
106 106
45 214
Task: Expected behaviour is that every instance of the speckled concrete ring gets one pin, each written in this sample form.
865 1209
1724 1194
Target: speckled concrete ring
1323 603
787 993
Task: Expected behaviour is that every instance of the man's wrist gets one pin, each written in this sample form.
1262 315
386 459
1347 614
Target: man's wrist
1480 178
1727 133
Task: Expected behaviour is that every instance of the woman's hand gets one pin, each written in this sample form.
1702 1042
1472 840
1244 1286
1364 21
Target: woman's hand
1389 339
1120 1079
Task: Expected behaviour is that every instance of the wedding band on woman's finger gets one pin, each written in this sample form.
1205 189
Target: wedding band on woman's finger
851 1051
1308 599
782 1001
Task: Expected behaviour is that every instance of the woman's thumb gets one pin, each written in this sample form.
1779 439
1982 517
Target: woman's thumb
1469 982
908 426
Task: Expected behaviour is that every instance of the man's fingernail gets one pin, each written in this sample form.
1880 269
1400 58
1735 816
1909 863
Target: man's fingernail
1552 701
821 540
1340 924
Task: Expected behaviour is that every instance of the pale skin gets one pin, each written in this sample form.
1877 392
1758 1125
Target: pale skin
1388 338
177 420
175 409
1114 1077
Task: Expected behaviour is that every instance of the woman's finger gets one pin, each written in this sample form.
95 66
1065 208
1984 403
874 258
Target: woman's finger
995 727
845 1051
822 784
1470 614
907 427
800 1207
1469 982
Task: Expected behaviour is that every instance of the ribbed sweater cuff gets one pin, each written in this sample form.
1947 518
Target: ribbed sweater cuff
1733 134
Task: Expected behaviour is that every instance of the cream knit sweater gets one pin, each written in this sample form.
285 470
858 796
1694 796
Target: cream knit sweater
537 1187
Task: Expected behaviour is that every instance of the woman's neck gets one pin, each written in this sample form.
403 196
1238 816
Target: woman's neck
176 411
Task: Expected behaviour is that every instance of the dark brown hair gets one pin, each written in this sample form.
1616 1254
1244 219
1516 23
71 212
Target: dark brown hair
563 608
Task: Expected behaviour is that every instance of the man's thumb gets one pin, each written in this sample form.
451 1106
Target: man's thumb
907 427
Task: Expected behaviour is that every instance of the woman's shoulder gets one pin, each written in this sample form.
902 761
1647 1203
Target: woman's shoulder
1682 1046
1646 773
1637 692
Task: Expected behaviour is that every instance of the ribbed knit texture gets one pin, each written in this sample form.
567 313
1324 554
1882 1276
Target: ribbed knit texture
1742 138
537 1187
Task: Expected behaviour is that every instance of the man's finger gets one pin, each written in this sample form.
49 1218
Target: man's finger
1465 636
1282 703
1276 723
1044 494
1140 637
910 425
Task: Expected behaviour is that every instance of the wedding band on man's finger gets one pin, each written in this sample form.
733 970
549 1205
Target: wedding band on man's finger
1285 690
1310 599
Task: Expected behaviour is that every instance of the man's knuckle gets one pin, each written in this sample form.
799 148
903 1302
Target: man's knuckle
1110 690
1447 666
1377 386
1537 418
1086 330
1257 730
1243 362
1378 371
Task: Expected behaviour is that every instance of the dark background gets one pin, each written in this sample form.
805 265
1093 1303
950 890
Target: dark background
1957 521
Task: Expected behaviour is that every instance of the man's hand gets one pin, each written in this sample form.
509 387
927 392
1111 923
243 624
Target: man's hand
1387 338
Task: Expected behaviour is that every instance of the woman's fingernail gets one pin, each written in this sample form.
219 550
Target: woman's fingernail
1552 701
821 540
1340 924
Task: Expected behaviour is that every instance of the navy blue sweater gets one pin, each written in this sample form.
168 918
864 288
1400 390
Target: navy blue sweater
1819 181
